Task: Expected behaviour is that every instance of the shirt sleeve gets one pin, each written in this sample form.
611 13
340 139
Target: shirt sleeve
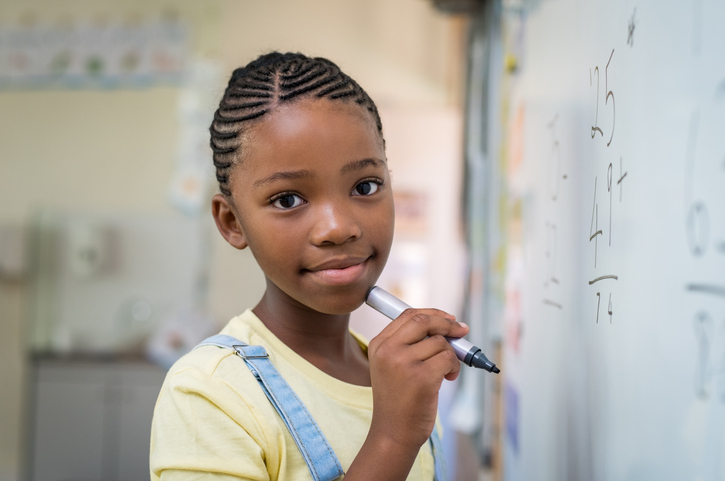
203 429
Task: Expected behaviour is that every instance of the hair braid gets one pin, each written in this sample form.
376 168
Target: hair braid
267 82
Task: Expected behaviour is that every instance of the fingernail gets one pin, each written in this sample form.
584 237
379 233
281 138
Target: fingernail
462 324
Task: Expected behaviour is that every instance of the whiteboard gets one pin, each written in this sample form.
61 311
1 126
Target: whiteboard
614 178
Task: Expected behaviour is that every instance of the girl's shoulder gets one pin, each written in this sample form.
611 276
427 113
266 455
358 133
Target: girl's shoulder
208 359
217 374
212 409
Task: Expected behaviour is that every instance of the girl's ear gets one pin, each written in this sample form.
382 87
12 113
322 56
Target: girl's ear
226 221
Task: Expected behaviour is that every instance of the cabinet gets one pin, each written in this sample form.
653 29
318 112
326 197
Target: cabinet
91 419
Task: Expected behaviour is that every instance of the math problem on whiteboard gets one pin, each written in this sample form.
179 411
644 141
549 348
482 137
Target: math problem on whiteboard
602 228
555 177
705 235
608 100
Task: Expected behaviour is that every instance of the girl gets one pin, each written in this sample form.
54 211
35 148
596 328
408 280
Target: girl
300 158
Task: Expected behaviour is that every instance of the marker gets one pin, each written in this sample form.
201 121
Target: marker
390 306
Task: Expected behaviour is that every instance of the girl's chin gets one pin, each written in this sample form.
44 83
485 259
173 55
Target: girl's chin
337 301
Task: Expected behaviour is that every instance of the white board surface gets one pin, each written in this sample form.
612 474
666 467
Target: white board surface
615 312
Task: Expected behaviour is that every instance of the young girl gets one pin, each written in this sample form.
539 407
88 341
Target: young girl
300 158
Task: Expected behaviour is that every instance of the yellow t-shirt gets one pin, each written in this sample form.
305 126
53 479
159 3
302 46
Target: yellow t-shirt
212 419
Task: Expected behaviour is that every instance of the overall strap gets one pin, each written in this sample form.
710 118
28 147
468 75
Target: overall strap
316 450
439 460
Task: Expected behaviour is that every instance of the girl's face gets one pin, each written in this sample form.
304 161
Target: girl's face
312 200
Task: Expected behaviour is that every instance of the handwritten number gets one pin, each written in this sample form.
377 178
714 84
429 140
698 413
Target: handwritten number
609 189
609 94
594 226
595 128
609 309
594 230
596 111
599 298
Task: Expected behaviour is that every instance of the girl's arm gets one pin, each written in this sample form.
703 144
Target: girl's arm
409 360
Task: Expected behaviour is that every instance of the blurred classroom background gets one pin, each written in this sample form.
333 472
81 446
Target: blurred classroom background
559 178
110 264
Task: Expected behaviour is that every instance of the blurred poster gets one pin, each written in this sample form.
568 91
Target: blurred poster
193 178
102 52
411 216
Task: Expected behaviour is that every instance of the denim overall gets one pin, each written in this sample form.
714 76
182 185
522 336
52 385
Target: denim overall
315 449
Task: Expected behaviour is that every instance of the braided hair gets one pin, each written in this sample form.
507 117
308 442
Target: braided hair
271 80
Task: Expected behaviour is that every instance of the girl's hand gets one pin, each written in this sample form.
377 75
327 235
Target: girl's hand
408 361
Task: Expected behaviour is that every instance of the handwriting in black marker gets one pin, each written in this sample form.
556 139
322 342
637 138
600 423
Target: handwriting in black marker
552 304
609 189
553 186
599 298
697 222
630 28
609 308
707 289
602 278
595 129
611 182
609 94
698 228
621 178
702 216
594 230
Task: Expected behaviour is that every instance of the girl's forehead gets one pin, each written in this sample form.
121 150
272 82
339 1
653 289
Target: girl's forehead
294 116
307 130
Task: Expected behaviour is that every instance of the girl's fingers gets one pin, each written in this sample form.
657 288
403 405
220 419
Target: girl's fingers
430 347
435 365
421 325
406 315
408 362
445 362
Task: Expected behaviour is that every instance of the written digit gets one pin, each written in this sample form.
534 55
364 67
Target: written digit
609 94
609 189
609 308
599 298
594 230
596 111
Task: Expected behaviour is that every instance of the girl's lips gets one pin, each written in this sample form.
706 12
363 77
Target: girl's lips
340 276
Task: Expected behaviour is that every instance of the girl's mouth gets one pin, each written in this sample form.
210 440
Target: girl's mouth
339 272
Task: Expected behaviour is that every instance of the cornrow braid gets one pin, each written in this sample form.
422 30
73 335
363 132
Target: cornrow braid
263 84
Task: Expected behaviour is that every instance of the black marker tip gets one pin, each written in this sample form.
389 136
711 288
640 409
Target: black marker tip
480 361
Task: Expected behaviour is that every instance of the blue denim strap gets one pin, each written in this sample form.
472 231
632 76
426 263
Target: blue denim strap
315 449
437 447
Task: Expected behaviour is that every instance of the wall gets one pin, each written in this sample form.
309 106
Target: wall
115 150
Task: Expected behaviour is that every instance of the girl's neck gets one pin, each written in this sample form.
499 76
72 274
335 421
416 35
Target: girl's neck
324 340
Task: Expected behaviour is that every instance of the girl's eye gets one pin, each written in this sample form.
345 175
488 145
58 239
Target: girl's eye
287 201
367 187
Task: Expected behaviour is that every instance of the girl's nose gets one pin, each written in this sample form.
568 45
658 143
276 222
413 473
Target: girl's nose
333 224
